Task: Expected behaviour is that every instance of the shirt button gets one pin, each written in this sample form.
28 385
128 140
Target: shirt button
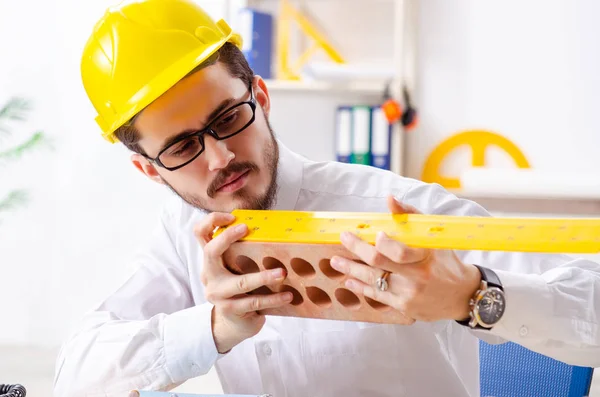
523 331
267 350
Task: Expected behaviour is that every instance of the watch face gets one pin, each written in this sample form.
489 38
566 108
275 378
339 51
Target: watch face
491 306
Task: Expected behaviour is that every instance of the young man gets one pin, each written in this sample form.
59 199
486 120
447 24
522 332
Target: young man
173 86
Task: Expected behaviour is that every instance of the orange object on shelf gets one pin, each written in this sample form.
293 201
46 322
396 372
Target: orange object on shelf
394 113
392 110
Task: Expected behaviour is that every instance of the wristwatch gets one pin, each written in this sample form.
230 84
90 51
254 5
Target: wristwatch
488 304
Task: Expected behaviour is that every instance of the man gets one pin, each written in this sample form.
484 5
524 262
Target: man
173 86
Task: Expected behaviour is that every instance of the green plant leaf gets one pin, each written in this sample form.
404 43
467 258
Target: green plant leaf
14 199
37 140
15 109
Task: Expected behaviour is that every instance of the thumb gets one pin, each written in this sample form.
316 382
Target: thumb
398 207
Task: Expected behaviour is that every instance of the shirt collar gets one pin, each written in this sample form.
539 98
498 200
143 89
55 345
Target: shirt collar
289 178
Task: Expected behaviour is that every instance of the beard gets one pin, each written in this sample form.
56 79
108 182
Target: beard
242 196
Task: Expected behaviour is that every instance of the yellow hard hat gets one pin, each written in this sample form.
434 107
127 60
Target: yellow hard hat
141 48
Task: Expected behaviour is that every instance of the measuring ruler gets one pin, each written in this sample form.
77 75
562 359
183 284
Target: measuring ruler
563 235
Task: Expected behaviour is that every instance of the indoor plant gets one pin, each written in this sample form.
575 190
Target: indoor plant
16 110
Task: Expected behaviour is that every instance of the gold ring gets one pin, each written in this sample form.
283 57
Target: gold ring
382 283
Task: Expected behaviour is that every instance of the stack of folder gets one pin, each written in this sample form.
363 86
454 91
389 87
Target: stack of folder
363 136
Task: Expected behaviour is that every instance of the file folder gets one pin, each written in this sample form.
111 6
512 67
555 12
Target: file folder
256 28
381 139
361 135
343 138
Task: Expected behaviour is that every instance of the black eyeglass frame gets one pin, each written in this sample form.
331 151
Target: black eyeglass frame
208 130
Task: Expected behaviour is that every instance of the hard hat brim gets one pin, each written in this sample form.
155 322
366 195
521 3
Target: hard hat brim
163 82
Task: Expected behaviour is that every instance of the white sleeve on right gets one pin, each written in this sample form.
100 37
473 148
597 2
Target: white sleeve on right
552 300
147 335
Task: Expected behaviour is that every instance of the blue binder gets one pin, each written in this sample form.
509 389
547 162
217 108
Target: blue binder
256 28
381 139
343 136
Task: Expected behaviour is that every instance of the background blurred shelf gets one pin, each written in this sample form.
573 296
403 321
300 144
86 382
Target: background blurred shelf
531 190
535 206
355 87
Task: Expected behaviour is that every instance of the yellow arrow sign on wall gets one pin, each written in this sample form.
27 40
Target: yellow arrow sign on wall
478 141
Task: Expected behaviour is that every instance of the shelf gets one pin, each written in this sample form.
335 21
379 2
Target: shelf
563 206
568 202
355 87
528 195
531 190
517 183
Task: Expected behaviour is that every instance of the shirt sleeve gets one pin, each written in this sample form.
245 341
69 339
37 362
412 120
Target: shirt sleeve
147 335
552 300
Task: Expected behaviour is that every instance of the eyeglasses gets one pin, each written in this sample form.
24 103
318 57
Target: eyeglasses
229 123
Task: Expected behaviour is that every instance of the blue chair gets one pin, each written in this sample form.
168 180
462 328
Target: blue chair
510 370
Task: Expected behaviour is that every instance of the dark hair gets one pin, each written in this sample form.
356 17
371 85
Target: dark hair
235 63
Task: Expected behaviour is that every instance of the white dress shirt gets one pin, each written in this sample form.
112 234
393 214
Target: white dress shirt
154 332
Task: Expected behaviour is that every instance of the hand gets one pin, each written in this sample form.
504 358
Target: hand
234 316
424 284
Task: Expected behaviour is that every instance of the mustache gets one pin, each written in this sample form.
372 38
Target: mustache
226 173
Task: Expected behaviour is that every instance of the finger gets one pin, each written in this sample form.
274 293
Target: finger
398 207
236 285
217 246
365 251
377 295
256 303
369 291
205 228
397 252
359 271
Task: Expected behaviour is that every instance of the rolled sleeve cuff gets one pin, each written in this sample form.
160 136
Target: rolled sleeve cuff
190 348
528 306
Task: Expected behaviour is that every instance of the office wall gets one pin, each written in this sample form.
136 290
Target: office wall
524 69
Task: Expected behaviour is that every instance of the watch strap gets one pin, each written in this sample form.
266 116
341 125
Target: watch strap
492 280
490 276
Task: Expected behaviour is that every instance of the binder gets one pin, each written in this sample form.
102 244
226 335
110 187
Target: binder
343 136
381 139
256 29
361 135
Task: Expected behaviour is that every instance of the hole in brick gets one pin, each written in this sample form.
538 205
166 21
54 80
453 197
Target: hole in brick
326 269
318 296
271 263
377 305
302 268
297 299
363 226
246 265
347 298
